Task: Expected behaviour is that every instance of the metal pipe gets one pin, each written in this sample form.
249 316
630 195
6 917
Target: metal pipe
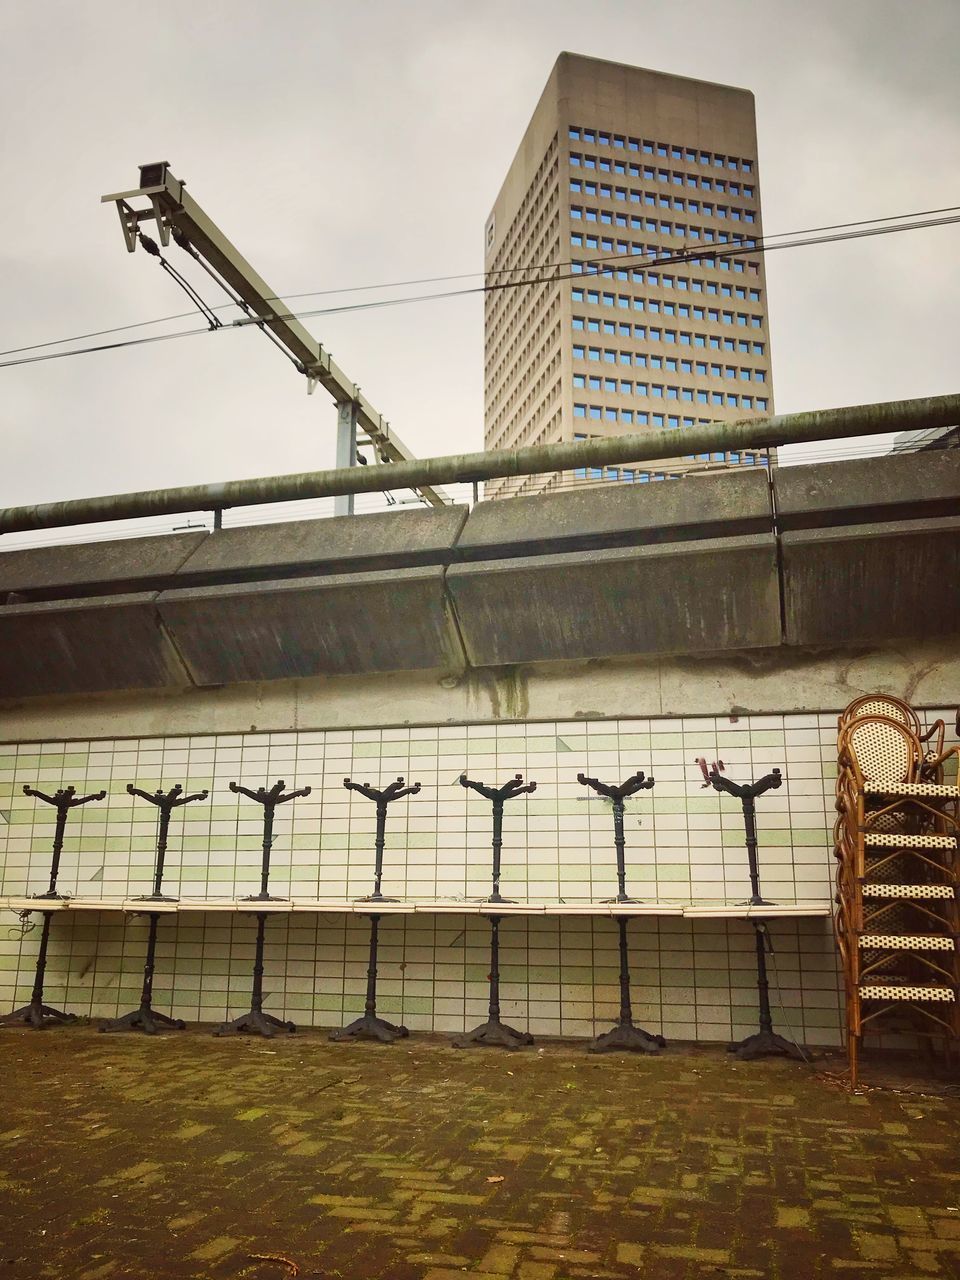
646 446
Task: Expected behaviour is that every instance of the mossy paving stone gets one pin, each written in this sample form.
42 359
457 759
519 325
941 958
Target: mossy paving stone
184 1155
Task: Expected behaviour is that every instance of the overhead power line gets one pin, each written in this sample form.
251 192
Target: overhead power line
597 267
403 284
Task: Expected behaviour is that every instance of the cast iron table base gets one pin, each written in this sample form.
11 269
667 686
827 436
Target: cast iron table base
146 1018
393 791
617 795
494 1032
36 1014
747 794
368 1026
625 1035
498 797
765 1042
256 1021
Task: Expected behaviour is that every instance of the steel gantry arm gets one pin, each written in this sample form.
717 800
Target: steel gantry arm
176 212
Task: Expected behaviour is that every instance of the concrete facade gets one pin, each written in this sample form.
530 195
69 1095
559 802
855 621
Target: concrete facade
624 167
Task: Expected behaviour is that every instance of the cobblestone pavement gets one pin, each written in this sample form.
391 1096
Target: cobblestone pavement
182 1155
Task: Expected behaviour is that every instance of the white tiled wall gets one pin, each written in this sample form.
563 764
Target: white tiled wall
693 980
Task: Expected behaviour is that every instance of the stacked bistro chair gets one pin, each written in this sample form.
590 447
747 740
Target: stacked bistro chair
896 845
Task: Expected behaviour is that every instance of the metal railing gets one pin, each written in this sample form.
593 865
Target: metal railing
534 468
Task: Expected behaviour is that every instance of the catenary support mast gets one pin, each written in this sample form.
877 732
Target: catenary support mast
176 213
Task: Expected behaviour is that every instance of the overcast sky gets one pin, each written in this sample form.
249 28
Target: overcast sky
350 144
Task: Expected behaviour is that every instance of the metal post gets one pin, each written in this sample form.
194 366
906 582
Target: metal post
368 1026
263 1024
750 832
370 1005
269 800
380 841
256 997
393 791
497 847
494 1006
626 1011
617 795
163 828
165 802
346 451
268 812
37 1014
625 1035
256 1020
62 811
765 1042
497 796
763 986
746 793
146 1018
620 844
493 1031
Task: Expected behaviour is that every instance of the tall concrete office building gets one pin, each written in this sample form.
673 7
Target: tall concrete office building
640 192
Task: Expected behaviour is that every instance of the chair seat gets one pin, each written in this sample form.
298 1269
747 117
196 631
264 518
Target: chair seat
932 790
915 891
881 839
917 991
908 941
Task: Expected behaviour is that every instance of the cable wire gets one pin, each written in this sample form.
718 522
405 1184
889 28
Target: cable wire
696 256
182 315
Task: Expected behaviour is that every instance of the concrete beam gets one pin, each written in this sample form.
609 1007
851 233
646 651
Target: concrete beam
343 624
89 568
85 646
684 597
866 583
863 490
343 544
705 506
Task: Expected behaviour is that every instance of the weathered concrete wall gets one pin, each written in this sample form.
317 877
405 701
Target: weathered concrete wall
772 682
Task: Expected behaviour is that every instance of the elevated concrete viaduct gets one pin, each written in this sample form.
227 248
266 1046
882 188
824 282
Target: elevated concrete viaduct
838 555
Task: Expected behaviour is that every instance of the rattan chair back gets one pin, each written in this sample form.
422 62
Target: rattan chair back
881 750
